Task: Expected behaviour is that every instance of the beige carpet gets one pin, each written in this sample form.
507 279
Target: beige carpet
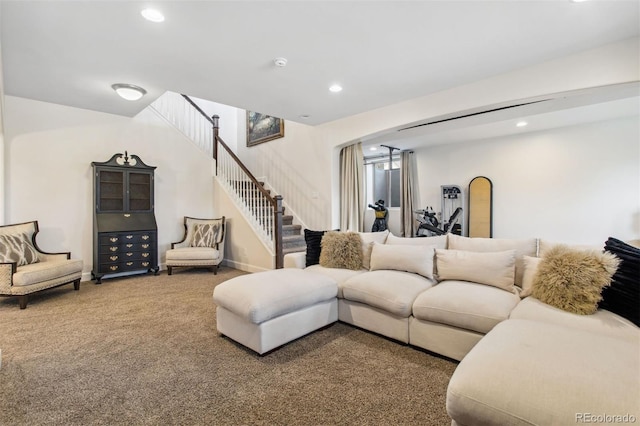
145 351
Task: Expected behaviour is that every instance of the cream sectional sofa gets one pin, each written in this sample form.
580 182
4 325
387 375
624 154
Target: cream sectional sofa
522 361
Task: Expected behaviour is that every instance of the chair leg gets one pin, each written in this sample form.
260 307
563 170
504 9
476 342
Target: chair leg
169 270
215 270
23 300
76 284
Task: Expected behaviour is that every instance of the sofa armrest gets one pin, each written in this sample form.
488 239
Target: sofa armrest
296 260
6 277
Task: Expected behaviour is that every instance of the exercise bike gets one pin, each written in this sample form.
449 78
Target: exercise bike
429 223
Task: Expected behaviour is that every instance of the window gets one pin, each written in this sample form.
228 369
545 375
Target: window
383 180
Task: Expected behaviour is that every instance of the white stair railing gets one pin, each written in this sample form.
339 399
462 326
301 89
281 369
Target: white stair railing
190 121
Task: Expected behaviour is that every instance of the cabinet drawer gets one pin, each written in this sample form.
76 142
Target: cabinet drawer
126 256
124 266
126 238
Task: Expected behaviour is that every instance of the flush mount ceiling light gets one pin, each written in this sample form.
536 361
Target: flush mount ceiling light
521 123
129 92
280 62
335 88
152 15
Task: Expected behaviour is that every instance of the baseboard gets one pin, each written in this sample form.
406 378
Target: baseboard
243 266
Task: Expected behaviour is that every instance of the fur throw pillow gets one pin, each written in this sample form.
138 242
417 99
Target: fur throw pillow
341 250
572 280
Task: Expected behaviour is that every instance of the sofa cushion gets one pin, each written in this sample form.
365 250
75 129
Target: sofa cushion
341 250
523 247
193 253
391 291
623 295
339 275
17 248
410 258
602 322
266 295
368 238
495 269
438 241
572 279
465 305
35 273
532 373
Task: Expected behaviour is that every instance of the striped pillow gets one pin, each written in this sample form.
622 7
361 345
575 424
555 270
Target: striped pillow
205 235
18 249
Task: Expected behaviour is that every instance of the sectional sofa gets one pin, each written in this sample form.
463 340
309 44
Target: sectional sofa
522 361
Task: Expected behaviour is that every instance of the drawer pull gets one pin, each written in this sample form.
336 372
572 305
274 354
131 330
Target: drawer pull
113 248
114 258
113 239
145 246
145 263
129 263
145 254
128 237
129 245
129 254
113 268
145 237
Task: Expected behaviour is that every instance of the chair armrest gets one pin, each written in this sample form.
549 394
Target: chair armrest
179 244
295 260
6 277
43 256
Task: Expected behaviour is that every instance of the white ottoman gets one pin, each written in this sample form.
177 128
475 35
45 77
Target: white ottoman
268 309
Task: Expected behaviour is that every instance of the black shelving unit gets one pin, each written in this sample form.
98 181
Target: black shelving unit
125 233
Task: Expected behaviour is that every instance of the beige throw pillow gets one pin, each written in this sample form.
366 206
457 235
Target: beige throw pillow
341 250
572 280
368 238
530 268
495 269
409 258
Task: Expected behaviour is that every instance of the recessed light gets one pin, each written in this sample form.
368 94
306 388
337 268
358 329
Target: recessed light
129 92
373 148
521 123
577 1
335 88
152 15
304 116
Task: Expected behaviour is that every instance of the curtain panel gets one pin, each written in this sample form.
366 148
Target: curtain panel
407 193
352 188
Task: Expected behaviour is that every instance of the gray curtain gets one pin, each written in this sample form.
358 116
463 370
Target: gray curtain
408 188
352 188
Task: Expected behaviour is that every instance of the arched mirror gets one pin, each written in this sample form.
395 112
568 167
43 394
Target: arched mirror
480 207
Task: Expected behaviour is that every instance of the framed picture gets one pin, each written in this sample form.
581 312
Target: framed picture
262 128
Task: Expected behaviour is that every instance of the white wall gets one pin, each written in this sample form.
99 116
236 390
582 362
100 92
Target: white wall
228 120
49 150
578 184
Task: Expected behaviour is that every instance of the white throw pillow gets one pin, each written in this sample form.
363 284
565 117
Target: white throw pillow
530 269
416 259
439 241
496 269
368 238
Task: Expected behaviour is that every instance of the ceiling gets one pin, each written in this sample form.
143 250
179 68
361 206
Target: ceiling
381 52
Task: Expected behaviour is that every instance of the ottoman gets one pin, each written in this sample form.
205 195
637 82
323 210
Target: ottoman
268 309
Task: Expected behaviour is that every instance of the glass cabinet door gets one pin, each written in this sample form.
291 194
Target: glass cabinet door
140 191
111 191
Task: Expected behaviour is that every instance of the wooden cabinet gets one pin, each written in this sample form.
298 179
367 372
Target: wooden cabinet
125 234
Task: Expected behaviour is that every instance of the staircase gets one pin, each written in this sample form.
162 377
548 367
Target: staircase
263 211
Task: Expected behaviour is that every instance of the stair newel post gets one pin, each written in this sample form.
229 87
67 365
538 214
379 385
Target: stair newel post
216 127
278 231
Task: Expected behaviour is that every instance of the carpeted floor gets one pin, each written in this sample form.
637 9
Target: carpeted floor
145 351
